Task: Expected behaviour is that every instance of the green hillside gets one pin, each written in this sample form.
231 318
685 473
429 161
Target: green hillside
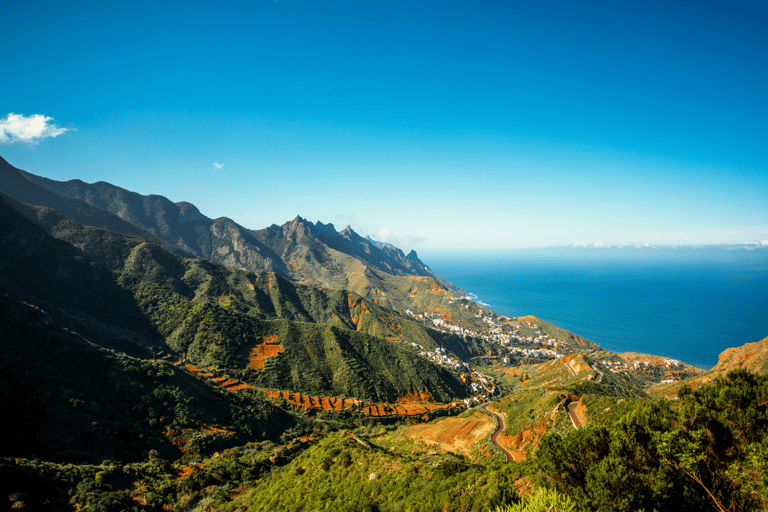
133 378
176 303
74 401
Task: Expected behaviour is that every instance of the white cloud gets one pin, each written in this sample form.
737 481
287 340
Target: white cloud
727 235
217 165
381 234
31 129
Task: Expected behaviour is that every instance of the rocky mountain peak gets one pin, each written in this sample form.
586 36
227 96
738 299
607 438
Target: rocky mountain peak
189 213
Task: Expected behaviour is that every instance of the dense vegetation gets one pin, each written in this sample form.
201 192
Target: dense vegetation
122 283
341 474
103 414
709 450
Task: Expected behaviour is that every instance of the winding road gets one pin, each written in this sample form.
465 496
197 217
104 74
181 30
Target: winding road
495 435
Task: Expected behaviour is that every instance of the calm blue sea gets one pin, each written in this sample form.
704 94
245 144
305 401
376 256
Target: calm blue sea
688 304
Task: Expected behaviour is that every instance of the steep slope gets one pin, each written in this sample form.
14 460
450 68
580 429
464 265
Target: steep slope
311 254
180 224
262 295
14 186
146 298
72 395
315 254
224 241
375 255
72 400
303 251
750 356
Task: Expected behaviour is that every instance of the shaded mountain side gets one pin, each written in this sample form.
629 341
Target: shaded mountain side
314 254
179 224
259 294
56 276
71 400
15 187
146 300
226 242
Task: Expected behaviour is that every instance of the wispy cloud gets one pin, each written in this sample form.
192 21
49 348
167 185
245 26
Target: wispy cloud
30 129
217 165
381 234
713 236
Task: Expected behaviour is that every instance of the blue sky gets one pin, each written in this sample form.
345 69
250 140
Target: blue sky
428 124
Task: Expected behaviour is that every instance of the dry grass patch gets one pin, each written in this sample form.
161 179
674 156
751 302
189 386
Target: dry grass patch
453 434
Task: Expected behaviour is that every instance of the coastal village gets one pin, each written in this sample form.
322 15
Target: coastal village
522 341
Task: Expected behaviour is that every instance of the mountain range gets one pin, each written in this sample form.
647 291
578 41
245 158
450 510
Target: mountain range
139 334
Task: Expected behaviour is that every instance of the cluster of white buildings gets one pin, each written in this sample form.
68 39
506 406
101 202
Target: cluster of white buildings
495 333
479 383
440 357
541 353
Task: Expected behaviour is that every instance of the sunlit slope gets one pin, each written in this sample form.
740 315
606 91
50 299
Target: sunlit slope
750 356
560 395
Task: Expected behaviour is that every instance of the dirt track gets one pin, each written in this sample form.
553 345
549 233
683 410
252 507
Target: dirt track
577 423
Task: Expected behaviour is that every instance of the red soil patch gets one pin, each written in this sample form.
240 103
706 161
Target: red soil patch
522 442
752 356
185 471
416 396
330 403
258 355
453 433
251 287
240 387
219 379
214 429
356 318
191 368
511 444
392 322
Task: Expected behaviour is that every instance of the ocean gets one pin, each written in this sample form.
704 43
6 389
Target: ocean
688 304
